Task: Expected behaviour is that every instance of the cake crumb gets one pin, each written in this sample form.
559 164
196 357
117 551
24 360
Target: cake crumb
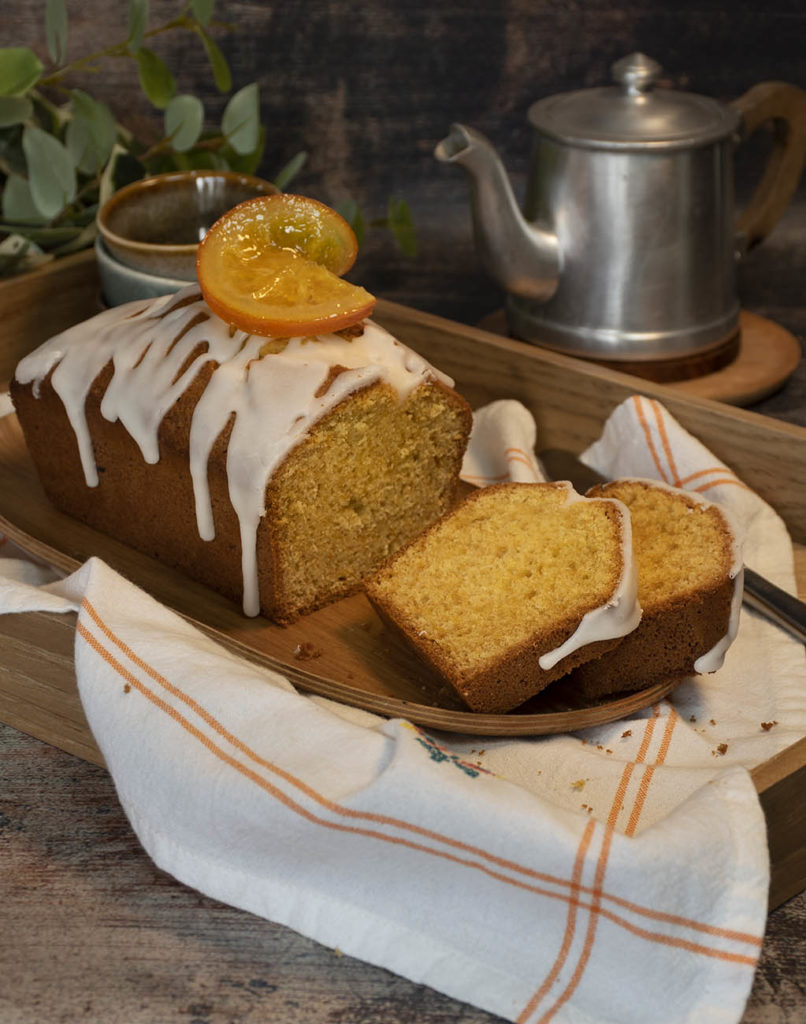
608 750
692 718
579 784
306 652
626 733
766 726
126 688
712 722
722 749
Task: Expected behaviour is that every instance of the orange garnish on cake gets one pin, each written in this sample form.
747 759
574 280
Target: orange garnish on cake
272 266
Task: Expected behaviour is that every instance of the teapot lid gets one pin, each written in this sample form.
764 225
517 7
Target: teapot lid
633 114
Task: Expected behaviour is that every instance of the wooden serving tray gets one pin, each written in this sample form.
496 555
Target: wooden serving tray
341 651
570 402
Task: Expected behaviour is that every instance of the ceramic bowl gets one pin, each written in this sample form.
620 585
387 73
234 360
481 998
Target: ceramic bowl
155 225
120 283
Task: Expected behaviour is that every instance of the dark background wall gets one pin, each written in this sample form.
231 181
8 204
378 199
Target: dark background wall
368 89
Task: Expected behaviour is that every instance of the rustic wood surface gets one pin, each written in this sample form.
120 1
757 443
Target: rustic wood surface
89 928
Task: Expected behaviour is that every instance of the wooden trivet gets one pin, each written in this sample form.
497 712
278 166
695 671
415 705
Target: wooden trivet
761 360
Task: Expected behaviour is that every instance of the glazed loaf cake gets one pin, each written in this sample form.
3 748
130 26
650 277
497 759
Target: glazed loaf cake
279 472
690 582
512 589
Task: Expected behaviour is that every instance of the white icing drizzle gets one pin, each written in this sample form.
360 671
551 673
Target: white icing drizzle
274 399
621 613
713 659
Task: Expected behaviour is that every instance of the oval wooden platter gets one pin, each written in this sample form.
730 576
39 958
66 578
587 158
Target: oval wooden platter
342 652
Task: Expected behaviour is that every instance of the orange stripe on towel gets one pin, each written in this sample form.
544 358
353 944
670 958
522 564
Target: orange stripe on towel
649 772
639 410
664 438
570 927
590 934
293 805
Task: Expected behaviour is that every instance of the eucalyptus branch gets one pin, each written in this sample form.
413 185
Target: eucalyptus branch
114 50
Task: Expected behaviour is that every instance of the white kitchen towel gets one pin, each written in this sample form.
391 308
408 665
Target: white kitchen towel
618 875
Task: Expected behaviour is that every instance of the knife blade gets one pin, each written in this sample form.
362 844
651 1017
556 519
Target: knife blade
760 594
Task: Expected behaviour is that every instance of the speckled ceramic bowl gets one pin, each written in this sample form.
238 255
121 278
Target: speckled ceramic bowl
120 283
155 225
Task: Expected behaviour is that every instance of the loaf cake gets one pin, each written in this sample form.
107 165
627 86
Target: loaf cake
279 472
690 582
512 589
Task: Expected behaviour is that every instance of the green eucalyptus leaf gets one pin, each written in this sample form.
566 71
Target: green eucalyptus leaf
241 121
244 163
14 110
51 171
400 223
218 62
56 30
12 158
351 211
184 119
291 170
78 140
83 239
157 81
348 208
18 204
202 10
20 68
138 22
91 133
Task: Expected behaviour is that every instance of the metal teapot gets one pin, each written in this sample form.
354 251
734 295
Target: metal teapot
627 250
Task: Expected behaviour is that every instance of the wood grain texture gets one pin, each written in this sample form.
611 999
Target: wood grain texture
43 302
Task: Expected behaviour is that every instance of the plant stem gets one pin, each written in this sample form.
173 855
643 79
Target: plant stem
115 50
165 144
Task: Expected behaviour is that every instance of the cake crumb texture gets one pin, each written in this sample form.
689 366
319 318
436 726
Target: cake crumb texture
501 580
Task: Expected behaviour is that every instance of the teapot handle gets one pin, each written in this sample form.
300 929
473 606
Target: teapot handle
785 106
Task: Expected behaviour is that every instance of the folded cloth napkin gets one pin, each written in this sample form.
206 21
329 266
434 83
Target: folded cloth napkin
616 875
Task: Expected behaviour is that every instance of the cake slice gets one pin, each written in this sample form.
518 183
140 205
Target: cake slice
689 586
512 589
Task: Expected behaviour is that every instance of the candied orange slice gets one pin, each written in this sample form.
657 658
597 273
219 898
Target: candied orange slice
271 266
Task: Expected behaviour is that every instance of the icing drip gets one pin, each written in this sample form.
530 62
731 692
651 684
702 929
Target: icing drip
157 349
621 614
713 659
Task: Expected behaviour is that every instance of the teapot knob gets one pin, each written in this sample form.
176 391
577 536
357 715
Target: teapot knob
637 73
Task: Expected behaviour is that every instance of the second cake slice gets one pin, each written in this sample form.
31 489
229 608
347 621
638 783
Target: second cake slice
513 589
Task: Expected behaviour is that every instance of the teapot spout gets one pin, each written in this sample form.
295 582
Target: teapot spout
519 255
